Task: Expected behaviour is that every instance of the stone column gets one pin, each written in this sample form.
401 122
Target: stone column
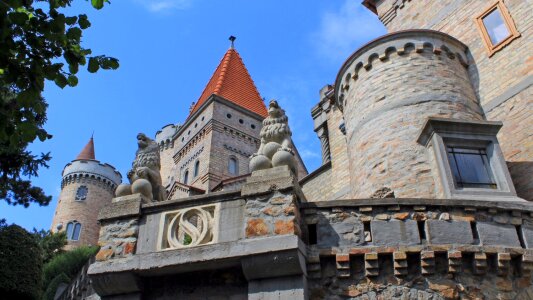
118 240
322 133
271 212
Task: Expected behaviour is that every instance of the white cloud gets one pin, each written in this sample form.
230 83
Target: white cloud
164 5
343 31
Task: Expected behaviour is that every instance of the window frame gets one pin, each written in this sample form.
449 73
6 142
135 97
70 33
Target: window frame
74 224
509 23
230 159
186 177
196 169
78 190
440 133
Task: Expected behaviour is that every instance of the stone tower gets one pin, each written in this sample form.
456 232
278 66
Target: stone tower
211 150
87 185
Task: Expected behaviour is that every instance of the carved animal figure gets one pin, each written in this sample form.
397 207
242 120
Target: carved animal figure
144 175
276 144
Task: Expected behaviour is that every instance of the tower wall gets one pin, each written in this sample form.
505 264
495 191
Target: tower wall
388 89
100 181
502 81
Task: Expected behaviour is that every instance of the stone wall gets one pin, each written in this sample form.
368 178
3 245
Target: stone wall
387 90
502 82
317 186
419 249
516 139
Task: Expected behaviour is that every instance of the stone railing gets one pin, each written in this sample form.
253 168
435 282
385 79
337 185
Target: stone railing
255 232
437 245
80 287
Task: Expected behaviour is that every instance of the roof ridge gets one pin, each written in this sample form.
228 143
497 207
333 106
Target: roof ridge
223 69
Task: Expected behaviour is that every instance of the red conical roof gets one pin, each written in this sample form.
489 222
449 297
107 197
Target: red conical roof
88 151
232 82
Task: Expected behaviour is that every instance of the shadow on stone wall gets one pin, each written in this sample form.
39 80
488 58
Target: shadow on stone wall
522 184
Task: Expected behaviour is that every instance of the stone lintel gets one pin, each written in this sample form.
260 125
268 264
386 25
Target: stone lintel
443 125
116 284
207 257
122 207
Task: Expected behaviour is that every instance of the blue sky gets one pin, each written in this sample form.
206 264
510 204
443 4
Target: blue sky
168 50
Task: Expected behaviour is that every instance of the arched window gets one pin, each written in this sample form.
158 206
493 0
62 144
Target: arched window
73 230
81 193
233 167
186 177
196 168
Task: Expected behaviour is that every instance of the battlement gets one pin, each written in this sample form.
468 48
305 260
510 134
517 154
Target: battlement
91 169
165 137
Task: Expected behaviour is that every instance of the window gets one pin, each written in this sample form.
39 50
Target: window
228 116
497 27
252 126
241 121
186 177
73 230
232 166
468 159
81 193
470 167
196 168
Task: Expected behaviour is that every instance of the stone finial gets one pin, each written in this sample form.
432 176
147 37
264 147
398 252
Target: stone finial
144 175
276 144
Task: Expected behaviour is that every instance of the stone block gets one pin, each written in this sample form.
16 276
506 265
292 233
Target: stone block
449 232
527 233
497 234
294 287
394 232
348 232
123 207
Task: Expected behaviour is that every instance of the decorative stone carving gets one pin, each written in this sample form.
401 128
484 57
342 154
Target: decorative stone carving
144 175
383 192
188 227
276 144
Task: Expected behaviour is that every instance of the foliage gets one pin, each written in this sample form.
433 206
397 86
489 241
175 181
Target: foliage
51 243
37 42
20 258
69 263
51 289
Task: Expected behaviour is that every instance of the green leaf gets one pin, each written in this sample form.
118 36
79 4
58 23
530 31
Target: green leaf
61 81
72 80
93 65
18 18
71 20
74 33
73 68
98 4
83 22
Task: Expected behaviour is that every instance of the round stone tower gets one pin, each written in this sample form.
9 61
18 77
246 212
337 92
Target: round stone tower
387 90
87 185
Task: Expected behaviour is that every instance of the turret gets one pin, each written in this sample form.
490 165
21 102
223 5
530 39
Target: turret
86 186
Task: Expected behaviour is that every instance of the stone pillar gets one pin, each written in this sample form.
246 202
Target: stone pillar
387 90
118 240
271 212
322 133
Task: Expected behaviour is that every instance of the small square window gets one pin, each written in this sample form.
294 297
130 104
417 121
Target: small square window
470 168
497 27
468 158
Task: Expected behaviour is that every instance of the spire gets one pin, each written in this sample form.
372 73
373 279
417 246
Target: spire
88 150
232 82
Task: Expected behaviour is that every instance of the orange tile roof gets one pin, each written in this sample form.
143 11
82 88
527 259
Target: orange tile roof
232 82
88 151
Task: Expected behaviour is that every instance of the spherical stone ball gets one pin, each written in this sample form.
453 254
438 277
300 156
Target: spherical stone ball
260 162
123 190
143 187
284 158
270 149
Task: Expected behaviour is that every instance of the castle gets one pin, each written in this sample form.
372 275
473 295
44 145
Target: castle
423 193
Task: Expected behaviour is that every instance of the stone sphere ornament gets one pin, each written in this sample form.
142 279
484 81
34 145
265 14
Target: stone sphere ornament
270 149
260 162
284 158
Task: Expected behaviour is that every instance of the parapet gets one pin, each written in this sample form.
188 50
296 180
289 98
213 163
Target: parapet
91 169
165 136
